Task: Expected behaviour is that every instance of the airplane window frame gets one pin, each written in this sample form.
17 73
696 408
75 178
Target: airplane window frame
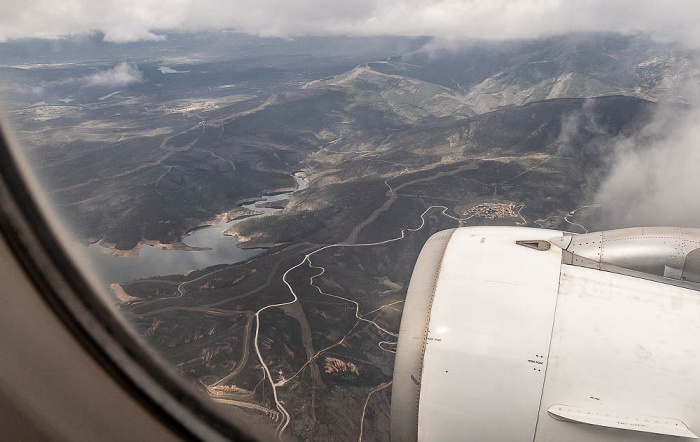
25 226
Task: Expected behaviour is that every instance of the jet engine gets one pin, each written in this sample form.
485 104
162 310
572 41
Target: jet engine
519 334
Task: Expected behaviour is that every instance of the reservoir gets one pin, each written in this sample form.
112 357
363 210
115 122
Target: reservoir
151 261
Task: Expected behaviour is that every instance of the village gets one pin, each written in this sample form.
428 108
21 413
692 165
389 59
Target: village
492 211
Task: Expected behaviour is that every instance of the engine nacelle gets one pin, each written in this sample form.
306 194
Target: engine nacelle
506 338
673 252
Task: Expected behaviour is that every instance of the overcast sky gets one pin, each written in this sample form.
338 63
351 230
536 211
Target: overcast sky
131 20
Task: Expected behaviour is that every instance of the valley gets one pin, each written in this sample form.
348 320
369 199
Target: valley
354 159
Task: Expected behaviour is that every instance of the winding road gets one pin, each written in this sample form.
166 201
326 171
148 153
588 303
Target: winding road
351 241
282 426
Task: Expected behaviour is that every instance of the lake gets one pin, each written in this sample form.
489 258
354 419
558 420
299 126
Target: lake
160 262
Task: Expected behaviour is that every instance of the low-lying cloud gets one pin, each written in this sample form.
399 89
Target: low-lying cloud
123 21
120 75
655 175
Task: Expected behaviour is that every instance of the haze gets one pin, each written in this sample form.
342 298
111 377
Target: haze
123 21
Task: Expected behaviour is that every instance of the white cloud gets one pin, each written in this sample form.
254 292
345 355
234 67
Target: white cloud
129 20
654 178
120 75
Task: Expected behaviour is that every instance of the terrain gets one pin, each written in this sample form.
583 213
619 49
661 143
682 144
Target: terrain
395 145
150 145
308 331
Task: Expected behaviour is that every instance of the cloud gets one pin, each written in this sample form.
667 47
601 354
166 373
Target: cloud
654 179
120 75
130 20
574 124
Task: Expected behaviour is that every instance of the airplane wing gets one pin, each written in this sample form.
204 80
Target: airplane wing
519 334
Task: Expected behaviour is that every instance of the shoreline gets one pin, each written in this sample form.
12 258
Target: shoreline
247 243
235 214
225 217
112 249
118 291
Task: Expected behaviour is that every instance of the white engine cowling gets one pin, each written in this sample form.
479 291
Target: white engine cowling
505 338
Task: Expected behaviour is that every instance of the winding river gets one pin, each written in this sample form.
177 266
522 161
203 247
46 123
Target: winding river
151 261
